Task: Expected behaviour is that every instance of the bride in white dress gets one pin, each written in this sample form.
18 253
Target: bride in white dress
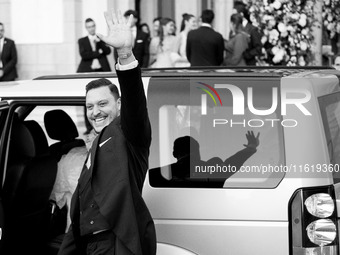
189 23
165 47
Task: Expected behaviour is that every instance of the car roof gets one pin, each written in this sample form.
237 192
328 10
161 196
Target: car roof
264 71
73 85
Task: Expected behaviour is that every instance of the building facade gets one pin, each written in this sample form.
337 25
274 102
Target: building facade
46 32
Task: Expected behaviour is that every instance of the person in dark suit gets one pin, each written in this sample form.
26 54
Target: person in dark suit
108 213
141 40
93 51
8 57
255 45
205 46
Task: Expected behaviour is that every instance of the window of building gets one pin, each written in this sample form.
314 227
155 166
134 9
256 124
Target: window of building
37 21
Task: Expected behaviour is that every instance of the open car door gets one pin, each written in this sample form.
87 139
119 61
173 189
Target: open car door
4 106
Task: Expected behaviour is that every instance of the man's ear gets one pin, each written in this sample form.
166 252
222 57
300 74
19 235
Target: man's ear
119 103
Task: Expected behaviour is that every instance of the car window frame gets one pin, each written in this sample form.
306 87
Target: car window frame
14 103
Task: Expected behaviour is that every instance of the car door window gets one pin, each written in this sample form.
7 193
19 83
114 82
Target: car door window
176 111
330 112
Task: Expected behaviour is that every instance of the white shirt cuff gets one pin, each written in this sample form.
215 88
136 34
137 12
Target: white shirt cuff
132 65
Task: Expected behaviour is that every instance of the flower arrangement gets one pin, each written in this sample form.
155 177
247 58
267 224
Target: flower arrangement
286 30
331 17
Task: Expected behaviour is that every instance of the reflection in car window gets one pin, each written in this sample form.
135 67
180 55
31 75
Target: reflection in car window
184 118
221 141
330 112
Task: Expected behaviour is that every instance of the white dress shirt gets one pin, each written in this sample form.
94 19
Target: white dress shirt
2 42
132 65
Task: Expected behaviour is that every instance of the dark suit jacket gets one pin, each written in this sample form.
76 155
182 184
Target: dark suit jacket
9 60
205 47
254 46
140 48
87 55
119 167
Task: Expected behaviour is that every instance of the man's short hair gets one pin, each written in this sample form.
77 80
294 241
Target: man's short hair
207 16
241 8
156 19
1 24
89 20
129 12
103 83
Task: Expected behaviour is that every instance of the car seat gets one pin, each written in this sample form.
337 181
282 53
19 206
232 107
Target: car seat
30 176
60 126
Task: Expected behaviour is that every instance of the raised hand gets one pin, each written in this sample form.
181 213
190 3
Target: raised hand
253 141
120 35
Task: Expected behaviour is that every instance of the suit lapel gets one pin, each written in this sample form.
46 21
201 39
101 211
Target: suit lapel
94 150
4 48
88 43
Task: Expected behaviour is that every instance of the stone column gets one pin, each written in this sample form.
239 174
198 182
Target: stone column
188 6
121 5
5 18
223 10
68 57
149 11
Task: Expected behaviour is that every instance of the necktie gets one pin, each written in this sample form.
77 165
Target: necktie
93 44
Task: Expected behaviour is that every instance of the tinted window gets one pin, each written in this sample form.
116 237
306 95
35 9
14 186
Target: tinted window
176 111
330 112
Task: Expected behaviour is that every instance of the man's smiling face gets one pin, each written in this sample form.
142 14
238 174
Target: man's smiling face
101 107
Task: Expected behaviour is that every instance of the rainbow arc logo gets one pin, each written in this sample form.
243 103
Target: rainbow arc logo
204 96
209 93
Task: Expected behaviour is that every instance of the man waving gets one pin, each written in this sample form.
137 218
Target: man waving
108 213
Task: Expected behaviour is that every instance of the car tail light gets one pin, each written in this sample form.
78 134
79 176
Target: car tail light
320 205
321 232
313 222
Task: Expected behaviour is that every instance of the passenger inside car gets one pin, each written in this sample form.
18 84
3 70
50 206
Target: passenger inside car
70 163
60 126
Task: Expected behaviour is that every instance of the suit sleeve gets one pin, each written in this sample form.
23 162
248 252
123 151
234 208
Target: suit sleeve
87 53
256 45
134 115
104 47
188 47
240 45
146 54
10 65
220 50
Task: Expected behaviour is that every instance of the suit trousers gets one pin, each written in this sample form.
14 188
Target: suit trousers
102 243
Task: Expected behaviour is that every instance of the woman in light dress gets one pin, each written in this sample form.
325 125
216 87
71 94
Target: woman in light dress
69 168
236 46
164 48
189 23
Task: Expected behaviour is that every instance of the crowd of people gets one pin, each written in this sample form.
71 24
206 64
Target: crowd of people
195 44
